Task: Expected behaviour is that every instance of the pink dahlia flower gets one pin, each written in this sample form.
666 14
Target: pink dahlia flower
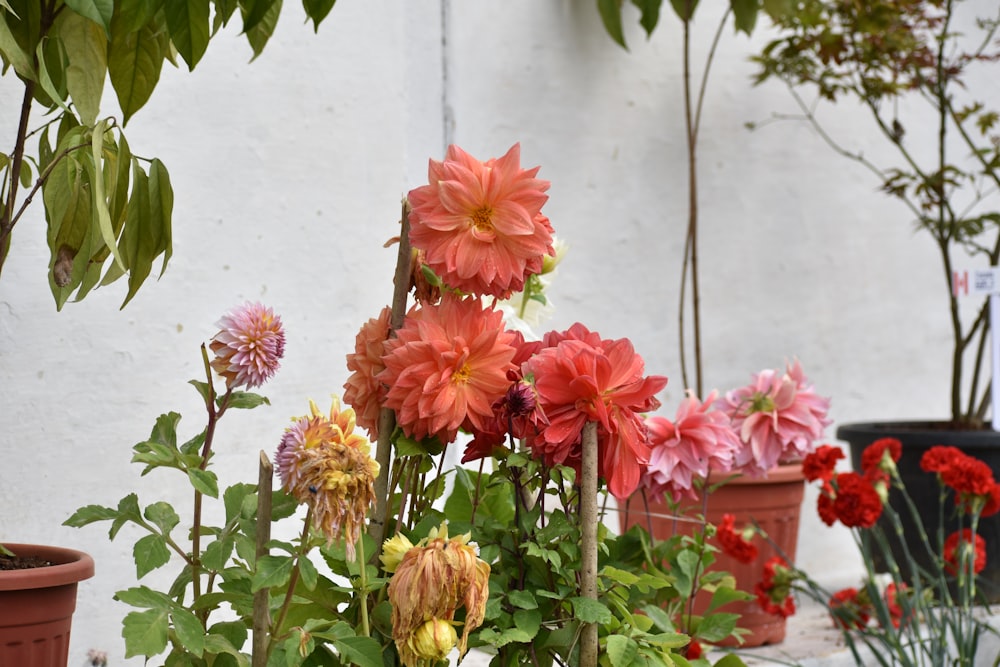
249 346
363 391
779 418
700 439
447 366
577 382
479 224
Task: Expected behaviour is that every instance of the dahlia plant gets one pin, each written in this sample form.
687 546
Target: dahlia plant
914 614
404 558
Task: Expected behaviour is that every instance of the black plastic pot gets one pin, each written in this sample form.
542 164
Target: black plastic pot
916 438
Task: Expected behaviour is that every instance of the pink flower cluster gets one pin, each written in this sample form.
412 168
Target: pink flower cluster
775 419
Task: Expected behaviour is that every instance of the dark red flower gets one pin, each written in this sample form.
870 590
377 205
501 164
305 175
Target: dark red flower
774 590
693 650
857 504
733 543
872 455
826 510
848 609
992 505
938 458
968 476
820 463
899 612
956 543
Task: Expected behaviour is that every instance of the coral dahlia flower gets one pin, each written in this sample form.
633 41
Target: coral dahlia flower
325 465
577 381
446 367
778 417
699 439
363 391
479 224
249 346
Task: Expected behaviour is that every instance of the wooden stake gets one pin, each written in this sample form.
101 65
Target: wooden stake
261 599
588 539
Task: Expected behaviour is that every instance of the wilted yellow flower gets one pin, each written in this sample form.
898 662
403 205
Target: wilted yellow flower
432 580
393 551
432 641
323 463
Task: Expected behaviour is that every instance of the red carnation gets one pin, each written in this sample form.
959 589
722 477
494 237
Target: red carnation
733 543
826 510
873 454
939 457
848 609
968 476
956 543
820 463
857 504
774 591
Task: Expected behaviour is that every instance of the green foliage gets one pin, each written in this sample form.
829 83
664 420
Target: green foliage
911 67
108 212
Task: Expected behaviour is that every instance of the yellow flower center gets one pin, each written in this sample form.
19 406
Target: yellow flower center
482 219
462 375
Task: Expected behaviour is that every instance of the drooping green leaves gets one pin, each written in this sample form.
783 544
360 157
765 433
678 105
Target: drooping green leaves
317 10
187 21
86 50
98 11
135 59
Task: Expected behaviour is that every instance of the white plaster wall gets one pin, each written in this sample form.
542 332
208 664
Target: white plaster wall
288 174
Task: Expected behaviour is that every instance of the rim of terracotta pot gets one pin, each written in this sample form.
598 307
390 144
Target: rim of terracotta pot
789 472
69 566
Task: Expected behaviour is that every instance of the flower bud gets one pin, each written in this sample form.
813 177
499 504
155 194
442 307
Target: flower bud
434 640
393 551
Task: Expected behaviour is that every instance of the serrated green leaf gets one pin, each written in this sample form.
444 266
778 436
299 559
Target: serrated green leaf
234 496
90 514
308 574
128 510
619 576
165 429
272 571
218 644
234 632
135 59
522 599
590 611
190 631
361 651
86 51
145 597
611 16
716 627
145 632
244 400
217 554
149 552
163 516
528 621
204 481
187 22
621 650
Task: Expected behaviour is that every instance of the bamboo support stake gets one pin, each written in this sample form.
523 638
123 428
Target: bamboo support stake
261 608
588 539
387 418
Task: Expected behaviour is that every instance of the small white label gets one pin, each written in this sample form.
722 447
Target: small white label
976 282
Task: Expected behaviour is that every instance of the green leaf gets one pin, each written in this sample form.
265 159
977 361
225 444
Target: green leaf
204 481
14 52
161 207
190 631
272 571
611 16
745 14
87 53
590 611
98 11
528 621
165 429
145 632
317 10
139 235
621 650
650 17
163 516
361 651
128 510
684 8
149 552
90 514
716 627
244 400
730 660
522 599
308 573
217 554
187 22
44 77
135 60
217 644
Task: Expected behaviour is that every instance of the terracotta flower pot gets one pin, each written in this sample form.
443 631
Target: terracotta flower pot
36 606
775 503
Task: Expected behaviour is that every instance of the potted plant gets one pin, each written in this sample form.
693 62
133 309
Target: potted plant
913 66
390 564
107 211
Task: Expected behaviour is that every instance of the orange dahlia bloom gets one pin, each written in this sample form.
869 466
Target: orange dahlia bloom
324 464
362 391
584 378
447 366
431 581
479 224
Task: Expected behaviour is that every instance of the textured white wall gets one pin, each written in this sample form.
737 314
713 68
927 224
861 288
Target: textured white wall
288 174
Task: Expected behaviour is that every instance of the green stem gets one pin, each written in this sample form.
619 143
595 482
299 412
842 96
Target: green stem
363 584
293 580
